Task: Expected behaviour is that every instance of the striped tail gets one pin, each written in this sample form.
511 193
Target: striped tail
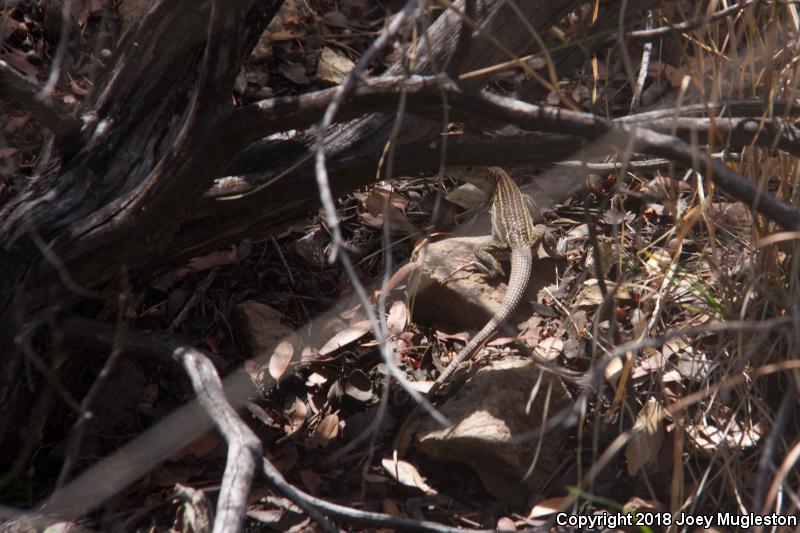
521 258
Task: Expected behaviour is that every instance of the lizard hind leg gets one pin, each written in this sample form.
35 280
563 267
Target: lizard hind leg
487 256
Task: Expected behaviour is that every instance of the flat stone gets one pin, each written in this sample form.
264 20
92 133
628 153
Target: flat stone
468 298
488 412
258 328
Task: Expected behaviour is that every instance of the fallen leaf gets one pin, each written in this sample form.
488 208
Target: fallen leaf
209 261
333 67
280 359
285 458
345 337
19 62
310 480
337 19
294 413
148 397
733 435
398 317
406 474
358 386
199 447
506 524
316 379
294 72
325 432
648 435
549 506
16 123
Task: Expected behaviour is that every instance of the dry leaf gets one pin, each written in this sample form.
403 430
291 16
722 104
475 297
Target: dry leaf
709 437
345 337
333 67
337 19
398 317
280 359
206 262
391 508
406 474
326 431
316 379
310 480
506 524
358 386
549 506
199 447
648 435
294 72
294 414
385 207
285 458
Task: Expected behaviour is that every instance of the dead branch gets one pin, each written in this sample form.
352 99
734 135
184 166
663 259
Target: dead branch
53 115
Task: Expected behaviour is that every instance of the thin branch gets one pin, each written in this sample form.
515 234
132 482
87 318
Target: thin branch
350 514
61 50
690 24
326 197
244 448
643 66
52 114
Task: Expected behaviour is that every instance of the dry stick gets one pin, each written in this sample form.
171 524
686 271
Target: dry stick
85 416
331 217
61 50
689 24
423 93
166 347
51 113
198 293
244 449
534 117
643 66
766 468
354 515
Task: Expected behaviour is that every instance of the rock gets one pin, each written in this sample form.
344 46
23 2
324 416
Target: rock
488 412
258 328
333 67
467 298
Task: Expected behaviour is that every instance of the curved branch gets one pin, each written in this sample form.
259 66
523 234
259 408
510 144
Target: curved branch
423 94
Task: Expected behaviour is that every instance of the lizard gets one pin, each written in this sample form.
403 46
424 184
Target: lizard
513 231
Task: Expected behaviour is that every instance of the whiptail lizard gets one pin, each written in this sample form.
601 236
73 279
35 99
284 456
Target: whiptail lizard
512 230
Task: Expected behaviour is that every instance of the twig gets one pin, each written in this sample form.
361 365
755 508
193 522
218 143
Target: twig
52 114
689 24
244 448
61 50
350 514
85 415
198 293
643 66
331 217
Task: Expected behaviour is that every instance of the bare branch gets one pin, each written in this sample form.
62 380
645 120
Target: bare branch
45 108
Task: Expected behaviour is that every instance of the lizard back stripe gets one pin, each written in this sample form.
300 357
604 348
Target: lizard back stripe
510 217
